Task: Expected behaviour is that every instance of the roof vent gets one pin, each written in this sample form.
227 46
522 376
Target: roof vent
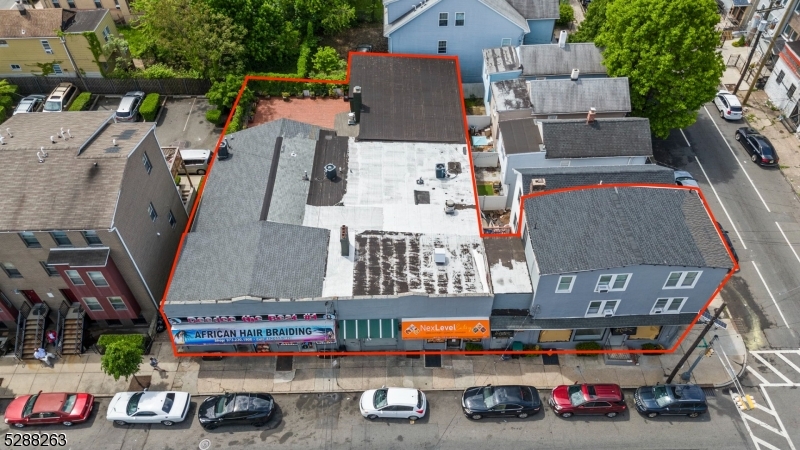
575 74
41 154
114 142
53 139
440 256
2 141
590 116
8 130
449 207
20 7
538 184
344 240
562 39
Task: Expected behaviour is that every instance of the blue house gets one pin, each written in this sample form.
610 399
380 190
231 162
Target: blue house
466 27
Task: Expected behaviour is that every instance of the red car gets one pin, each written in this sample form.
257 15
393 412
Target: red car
568 400
63 408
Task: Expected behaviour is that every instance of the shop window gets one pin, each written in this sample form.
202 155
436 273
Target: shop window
588 334
555 335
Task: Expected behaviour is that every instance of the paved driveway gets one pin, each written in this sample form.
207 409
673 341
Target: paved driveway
183 123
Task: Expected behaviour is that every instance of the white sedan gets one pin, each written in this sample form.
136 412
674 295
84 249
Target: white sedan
167 408
393 403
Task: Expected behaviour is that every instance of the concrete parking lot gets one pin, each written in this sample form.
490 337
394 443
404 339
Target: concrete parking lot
183 123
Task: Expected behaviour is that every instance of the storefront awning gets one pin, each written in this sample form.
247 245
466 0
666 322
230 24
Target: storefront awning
368 329
254 332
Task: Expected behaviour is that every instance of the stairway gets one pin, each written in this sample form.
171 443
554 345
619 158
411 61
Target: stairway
32 331
71 338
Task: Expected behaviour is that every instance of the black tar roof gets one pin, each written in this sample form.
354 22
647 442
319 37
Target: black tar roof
408 99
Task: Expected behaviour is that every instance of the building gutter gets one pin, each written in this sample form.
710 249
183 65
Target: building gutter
136 266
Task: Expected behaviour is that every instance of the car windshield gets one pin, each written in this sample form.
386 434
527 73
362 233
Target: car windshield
661 395
133 403
69 403
168 402
380 398
224 404
766 150
736 108
28 409
576 395
52 106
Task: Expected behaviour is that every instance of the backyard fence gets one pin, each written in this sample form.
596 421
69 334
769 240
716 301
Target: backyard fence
113 86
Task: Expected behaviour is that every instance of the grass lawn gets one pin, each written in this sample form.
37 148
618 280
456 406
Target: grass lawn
485 189
137 42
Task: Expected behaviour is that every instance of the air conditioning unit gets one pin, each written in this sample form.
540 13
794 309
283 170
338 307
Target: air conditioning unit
49 51
658 311
608 313
602 288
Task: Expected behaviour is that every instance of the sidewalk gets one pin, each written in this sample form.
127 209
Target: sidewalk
353 373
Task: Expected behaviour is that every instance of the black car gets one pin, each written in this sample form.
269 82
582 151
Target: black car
500 401
236 409
728 242
760 148
670 399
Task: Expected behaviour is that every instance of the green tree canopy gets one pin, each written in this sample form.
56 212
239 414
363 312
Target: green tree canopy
327 61
331 15
7 92
667 49
591 25
223 92
122 359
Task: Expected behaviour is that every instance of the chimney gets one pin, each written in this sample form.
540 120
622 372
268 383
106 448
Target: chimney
590 116
538 184
575 74
562 39
345 241
355 103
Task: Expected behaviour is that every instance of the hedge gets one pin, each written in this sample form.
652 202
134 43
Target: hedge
138 339
473 347
236 121
213 116
82 102
650 346
149 107
590 345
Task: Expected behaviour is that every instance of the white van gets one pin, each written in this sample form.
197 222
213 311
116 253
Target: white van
196 161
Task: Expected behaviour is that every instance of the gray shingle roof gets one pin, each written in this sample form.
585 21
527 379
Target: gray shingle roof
511 94
504 8
628 136
550 59
520 136
570 97
500 59
260 259
288 204
536 9
563 177
629 226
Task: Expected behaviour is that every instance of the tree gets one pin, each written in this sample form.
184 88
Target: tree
7 92
122 359
591 25
327 61
565 14
332 15
118 49
223 93
667 49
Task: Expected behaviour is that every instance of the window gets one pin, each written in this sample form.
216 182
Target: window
505 42
442 19
56 4
46 46
789 33
74 277
152 211
780 76
146 161
57 69
30 240
588 334
16 67
116 3
797 9
97 279
92 238
668 305
51 271
71 3
616 282
565 284
681 280
598 308
92 304
791 90
171 219
4 43
97 4
117 303
442 46
61 238
106 33
460 19
11 270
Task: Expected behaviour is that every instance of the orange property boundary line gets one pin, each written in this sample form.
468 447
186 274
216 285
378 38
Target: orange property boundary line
249 78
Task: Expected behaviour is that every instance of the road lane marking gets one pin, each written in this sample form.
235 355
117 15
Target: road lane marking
772 368
763 424
766 410
725 210
789 363
770 295
758 375
684 138
737 160
190 115
777 417
787 241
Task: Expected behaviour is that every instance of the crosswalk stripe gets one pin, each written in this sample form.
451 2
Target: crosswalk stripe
772 368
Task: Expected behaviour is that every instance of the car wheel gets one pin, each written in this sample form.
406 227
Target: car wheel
209 427
67 424
476 417
372 417
722 114
566 415
738 136
415 418
611 414
120 422
754 158
522 415
693 415
167 423
19 425
201 172
652 414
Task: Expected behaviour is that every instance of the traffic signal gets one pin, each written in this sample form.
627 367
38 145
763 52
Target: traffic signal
709 352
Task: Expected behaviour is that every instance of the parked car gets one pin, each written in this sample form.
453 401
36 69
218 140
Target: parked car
728 242
759 147
684 178
61 98
393 403
670 399
58 407
728 105
167 408
29 104
584 399
129 106
500 401
236 409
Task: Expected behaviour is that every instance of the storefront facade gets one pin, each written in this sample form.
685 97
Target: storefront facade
444 333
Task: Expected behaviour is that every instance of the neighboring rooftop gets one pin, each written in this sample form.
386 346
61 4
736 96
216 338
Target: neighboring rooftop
640 226
571 97
510 95
85 20
626 136
405 98
551 59
520 136
508 266
500 59
505 9
35 23
564 177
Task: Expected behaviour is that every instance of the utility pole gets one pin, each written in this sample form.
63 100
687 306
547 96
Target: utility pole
695 343
686 376
762 25
764 58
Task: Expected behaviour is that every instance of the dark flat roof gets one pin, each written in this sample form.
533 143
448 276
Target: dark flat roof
520 136
408 99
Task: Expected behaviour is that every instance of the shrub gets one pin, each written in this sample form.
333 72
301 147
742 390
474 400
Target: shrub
213 116
739 42
590 345
566 14
177 180
236 121
473 347
532 347
137 339
82 102
650 346
149 107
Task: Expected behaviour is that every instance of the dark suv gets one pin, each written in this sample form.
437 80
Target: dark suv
670 399
569 400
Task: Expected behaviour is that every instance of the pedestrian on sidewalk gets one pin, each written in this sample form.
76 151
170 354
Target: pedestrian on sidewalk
51 337
154 364
44 356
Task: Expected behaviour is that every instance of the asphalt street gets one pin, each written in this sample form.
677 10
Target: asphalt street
333 421
762 215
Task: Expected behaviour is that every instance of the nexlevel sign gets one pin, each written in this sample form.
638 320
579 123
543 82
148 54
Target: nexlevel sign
321 331
461 328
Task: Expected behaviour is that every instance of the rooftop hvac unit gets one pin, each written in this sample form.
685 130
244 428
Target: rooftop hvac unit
538 184
450 207
330 172
439 256
602 288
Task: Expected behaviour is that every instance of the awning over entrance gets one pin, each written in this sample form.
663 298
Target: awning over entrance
368 329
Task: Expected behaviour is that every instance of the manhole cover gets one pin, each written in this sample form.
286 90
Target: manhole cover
205 444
